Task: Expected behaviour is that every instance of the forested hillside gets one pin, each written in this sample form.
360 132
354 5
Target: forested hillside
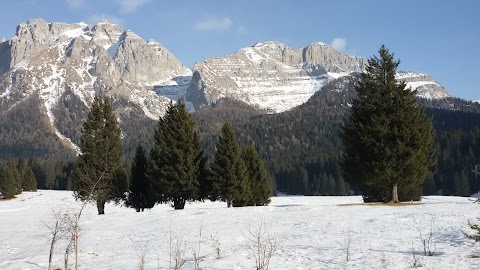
300 147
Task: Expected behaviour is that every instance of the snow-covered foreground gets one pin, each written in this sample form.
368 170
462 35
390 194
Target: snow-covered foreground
312 233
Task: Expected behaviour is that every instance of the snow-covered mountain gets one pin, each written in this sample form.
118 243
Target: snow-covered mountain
274 77
425 85
57 68
55 60
270 75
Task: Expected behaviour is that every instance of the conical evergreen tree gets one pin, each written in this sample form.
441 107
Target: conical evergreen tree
100 175
260 188
228 171
140 195
29 182
10 180
175 160
388 139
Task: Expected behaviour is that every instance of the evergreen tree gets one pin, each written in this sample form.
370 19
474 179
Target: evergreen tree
260 188
100 175
228 171
174 165
29 182
141 193
388 139
10 180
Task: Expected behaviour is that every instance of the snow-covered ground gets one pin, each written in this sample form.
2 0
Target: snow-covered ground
312 233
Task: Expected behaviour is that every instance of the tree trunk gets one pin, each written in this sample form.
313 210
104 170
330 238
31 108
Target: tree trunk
229 203
77 218
67 252
52 246
394 194
178 204
138 209
101 207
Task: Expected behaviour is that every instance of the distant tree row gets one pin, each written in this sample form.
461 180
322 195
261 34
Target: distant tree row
14 179
35 173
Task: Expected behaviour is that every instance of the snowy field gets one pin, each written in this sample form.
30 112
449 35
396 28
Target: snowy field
312 233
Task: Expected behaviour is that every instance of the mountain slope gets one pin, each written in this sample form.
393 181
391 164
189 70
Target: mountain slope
274 77
269 75
58 61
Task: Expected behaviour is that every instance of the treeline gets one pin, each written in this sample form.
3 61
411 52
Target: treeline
28 175
301 147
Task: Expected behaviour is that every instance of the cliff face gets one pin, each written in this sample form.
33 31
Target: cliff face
270 75
274 77
56 59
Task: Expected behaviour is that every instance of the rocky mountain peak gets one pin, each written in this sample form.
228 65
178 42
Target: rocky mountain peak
58 59
425 85
270 75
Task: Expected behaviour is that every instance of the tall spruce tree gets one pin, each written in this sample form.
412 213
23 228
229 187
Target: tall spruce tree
140 195
228 173
260 188
388 139
10 180
175 163
100 174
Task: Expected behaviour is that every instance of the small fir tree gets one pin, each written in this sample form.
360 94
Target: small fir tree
100 174
174 166
140 195
29 182
260 188
228 173
10 182
388 139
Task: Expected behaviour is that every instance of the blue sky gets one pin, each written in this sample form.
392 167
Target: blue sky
440 38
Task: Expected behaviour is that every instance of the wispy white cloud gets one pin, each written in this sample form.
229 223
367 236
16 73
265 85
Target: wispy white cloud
242 30
129 6
213 24
76 3
339 44
95 18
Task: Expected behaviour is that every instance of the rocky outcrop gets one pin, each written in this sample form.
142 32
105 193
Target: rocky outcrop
274 77
269 75
50 58
424 84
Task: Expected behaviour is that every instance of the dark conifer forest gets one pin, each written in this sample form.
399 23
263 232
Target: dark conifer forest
300 148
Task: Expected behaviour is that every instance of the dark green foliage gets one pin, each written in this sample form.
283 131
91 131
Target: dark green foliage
228 171
140 195
259 185
100 174
29 182
388 140
10 180
25 132
175 159
458 152
52 174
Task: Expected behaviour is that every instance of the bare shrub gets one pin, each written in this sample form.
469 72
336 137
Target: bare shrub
216 246
428 241
196 252
348 242
262 243
414 263
56 230
176 251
